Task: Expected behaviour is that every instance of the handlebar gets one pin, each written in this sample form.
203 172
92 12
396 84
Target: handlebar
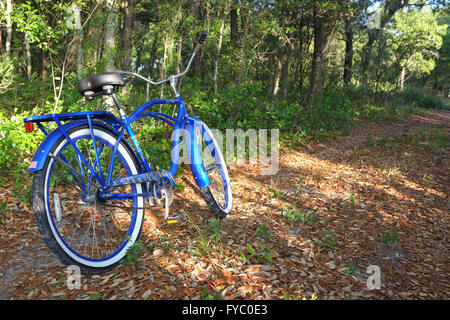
171 79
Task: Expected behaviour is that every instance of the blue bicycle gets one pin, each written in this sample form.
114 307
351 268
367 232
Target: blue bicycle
91 185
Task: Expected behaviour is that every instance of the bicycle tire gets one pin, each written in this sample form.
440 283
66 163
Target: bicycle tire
212 194
47 218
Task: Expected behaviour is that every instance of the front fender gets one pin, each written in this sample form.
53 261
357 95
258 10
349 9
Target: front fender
44 148
194 154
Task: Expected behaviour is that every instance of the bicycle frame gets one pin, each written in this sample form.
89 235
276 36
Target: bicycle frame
183 123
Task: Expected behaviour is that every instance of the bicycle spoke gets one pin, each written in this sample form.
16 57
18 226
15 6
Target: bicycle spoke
73 170
213 167
67 182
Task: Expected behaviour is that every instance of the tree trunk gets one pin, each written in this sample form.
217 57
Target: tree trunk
9 8
80 54
286 64
243 34
28 51
1 41
127 44
219 48
304 45
179 58
367 55
45 62
110 37
402 78
282 66
139 48
277 77
79 35
348 63
323 31
151 62
234 25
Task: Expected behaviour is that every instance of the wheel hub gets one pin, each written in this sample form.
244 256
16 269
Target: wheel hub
92 197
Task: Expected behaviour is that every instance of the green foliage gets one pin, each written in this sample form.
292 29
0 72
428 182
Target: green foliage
335 111
155 141
415 37
261 253
416 98
45 22
96 296
307 217
133 255
351 198
326 239
298 296
351 268
16 144
206 295
389 236
262 231
8 73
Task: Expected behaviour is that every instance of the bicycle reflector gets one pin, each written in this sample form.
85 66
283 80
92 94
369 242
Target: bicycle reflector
29 127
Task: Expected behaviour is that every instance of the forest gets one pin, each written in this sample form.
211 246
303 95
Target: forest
317 70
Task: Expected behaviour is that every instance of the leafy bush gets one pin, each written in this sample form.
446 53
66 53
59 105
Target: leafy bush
15 143
417 98
432 102
334 112
7 73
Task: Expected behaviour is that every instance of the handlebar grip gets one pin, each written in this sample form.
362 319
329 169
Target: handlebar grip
203 37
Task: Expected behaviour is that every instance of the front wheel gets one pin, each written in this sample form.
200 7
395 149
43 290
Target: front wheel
217 194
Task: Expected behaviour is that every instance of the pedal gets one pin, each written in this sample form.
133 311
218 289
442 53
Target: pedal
173 219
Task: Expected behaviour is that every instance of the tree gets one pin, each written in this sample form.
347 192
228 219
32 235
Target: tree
7 9
376 24
415 40
128 24
438 80
326 17
110 36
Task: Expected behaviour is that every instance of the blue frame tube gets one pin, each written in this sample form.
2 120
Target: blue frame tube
113 158
96 153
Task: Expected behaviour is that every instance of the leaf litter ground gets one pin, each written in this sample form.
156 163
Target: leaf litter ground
378 196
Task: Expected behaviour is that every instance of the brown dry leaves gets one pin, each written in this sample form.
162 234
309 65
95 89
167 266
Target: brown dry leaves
379 198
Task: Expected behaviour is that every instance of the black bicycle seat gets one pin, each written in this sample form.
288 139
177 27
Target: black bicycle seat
103 83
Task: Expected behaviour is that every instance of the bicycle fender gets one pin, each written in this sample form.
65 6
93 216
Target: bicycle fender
195 157
46 145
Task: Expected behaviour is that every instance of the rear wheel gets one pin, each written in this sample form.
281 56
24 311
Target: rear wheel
76 223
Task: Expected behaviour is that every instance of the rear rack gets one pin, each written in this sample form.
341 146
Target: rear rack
104 116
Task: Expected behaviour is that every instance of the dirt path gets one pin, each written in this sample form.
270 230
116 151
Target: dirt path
365 131
377 197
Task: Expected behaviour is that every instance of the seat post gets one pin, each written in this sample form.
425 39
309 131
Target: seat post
119 106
